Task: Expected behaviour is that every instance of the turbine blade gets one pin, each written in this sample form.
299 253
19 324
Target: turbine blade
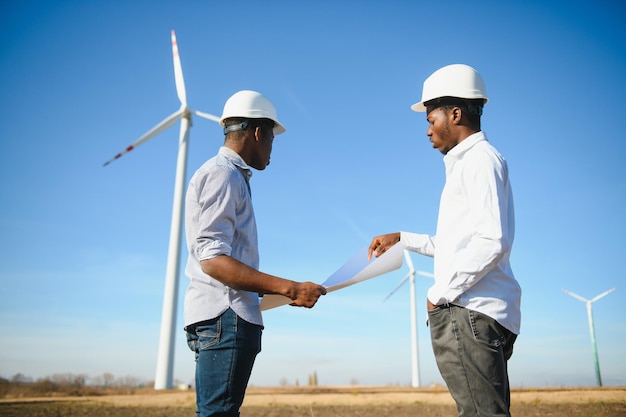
425 274
178 73
409 261
398 286
206 115
597 297
164 124
576 296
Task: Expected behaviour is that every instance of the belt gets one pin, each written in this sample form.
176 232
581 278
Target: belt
192 327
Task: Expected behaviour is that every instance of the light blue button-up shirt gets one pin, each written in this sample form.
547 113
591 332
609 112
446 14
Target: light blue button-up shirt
475 232
219 220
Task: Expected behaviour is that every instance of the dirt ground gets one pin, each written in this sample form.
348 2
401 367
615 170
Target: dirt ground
325 402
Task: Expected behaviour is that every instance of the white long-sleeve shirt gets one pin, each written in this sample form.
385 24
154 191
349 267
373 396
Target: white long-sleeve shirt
475 232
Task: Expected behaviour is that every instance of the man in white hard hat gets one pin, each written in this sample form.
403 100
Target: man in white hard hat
474 304
222 315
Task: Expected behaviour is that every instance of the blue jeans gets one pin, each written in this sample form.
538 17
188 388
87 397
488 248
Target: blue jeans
472 350
225 349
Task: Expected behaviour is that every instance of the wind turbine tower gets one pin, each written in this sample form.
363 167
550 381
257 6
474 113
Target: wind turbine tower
410 276
591 328
165 357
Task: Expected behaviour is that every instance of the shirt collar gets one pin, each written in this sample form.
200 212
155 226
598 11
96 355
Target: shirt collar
233 157
465 145
236 159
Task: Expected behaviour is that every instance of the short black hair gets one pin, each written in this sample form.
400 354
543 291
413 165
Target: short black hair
473 108
249 123
472 105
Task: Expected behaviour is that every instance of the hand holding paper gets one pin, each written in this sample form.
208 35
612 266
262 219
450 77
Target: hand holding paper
357 269
381 244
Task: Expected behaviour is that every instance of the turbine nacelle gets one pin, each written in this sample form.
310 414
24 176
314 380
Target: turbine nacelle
412 272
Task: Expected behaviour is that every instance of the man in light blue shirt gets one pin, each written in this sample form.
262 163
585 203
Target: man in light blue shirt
222 314
474 304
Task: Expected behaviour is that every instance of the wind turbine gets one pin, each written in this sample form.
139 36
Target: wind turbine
591 328
165 356
415 377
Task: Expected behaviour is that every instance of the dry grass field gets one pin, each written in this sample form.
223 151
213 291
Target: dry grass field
325 402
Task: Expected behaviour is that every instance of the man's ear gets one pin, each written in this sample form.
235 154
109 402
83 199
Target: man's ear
258 134
456 114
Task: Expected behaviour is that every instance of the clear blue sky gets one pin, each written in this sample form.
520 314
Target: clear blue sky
84 247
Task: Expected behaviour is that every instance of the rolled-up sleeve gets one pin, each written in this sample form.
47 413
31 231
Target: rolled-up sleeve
215 201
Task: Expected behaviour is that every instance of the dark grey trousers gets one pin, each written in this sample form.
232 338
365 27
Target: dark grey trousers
472 350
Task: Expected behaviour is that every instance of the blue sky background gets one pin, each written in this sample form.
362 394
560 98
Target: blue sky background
84 248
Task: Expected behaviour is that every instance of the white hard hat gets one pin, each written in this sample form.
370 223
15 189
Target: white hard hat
249 104
457 80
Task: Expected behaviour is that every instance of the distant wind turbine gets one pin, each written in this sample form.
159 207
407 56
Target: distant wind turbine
591 328
415 376
165 357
